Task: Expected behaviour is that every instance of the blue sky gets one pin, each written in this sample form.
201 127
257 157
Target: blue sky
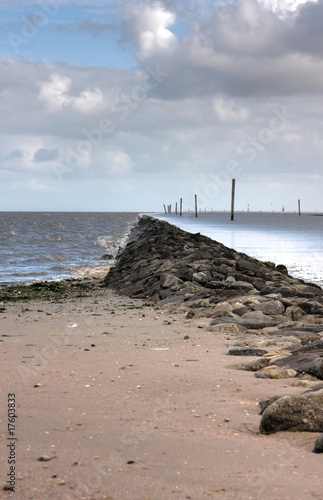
131 104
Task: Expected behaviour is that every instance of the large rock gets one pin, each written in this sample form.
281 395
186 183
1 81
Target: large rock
318 447
310 363
301 412
276 372
257 320
270 307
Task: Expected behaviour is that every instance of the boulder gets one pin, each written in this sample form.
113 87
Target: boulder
318 447
170 281
202 277
297 412
310 363
255 364
257 320
270 307
314 347
275 372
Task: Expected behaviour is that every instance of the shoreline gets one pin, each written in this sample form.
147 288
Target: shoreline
134 401
137 397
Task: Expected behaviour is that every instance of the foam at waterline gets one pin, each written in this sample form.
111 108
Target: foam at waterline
90 272
114 247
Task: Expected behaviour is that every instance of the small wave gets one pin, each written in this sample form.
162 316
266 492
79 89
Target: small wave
105 242
90 272
8 233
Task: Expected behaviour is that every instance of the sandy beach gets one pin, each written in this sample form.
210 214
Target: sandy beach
120 400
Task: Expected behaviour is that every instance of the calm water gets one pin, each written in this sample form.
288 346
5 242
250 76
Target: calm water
284 238
38 246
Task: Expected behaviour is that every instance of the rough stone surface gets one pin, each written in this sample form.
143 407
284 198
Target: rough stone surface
318 447
310 363
247 352
160 257
302 412
275 372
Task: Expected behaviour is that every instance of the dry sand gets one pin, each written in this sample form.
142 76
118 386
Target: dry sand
127 408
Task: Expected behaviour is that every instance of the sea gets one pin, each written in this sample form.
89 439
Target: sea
54 245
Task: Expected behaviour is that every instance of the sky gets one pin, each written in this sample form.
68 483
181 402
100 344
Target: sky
128 105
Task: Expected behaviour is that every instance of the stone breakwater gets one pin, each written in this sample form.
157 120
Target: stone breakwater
273 316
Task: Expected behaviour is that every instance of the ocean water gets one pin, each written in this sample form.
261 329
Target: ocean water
45 246
283 238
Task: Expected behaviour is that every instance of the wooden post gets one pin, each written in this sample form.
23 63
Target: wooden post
180 206
196 205
232 198
165 209
176 208
299 207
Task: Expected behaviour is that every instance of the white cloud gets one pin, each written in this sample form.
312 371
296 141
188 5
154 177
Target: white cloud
283 7
228 111
55 92
88 101
149 26
119 163
56 96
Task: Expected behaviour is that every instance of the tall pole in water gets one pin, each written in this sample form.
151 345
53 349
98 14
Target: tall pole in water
299 207
176 208
180 206
196 205
232 198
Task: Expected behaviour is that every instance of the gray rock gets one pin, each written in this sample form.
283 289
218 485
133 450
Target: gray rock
171 300
270 307
302 412
276 372
255 364
310 363
170 281
314 347
318 447
247 352
202 277
257 320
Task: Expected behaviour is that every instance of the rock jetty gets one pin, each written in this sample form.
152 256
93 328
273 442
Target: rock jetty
277 319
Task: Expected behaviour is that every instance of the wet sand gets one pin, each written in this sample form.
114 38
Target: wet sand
126 401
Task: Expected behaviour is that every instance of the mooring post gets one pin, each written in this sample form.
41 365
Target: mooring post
196 205
299 207
165 209
232 198
176 208
180 206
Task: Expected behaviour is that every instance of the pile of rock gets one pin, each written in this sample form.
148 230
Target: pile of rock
256 300
165 264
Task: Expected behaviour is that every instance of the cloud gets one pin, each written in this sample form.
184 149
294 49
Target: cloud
148 25
55 92
178 118
119 163
283 7
228 111
56 95
16 154
44 155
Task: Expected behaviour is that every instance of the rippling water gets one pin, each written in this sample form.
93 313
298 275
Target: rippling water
284 238
40 245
